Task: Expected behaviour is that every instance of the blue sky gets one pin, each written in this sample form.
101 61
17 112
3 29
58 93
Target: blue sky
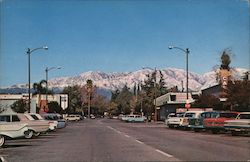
119 36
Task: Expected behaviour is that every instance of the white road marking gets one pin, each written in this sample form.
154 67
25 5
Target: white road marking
139 141
164 153
114 129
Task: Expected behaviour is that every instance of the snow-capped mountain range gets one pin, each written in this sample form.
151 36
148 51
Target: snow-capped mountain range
113 81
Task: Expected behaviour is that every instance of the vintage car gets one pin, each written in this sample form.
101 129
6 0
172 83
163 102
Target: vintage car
135 118
216 124
188 115
241 125
11 130
72 118
61 123
34 127
174 119
52 124
197 124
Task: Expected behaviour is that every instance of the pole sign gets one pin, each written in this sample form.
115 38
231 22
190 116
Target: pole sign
187 105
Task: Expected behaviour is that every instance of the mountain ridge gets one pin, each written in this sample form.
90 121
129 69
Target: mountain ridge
115 80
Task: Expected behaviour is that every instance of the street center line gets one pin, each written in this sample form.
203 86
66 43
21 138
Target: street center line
139 141
164 153
126 135
114 129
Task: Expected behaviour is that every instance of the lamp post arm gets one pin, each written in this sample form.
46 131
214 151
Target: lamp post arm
30 51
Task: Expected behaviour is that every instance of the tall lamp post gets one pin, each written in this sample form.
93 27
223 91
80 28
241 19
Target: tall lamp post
29 51
186 52
46 71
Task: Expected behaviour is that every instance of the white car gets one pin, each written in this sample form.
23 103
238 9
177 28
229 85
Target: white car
135 118
72 118
239 125
11 130
52 124
34 127
174 120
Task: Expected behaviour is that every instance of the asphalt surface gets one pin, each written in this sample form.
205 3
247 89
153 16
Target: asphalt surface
113 140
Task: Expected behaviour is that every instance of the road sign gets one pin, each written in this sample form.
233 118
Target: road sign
187 105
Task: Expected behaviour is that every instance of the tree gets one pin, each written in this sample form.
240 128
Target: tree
151 89
54 107
19 106
208 101
40 88
75 98
123 100
238 95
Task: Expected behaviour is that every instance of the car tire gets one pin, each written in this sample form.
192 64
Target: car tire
2 140
234 133
215 131
28 134
196 130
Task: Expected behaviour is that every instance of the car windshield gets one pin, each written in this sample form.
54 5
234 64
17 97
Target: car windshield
34 117
190 115
179 114
244 116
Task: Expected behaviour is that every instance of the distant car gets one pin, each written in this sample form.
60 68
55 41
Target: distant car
61 123
197 124
11 130
72 118
52 124
216 124
92 116
174 120
135 118
34 127
241 125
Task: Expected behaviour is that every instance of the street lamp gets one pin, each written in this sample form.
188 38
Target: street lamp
187 52
29 51
46 71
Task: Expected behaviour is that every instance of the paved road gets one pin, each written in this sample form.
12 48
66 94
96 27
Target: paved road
112 140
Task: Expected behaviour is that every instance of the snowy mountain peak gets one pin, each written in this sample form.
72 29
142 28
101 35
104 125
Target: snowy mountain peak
113 81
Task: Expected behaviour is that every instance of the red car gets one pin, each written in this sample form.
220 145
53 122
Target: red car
217 124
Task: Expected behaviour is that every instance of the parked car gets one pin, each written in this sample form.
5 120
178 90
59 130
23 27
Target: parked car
135 118
92 116
34 127
241 125
217 124
61 123
11 130
173 121
197 124
189 115
72 118
52 124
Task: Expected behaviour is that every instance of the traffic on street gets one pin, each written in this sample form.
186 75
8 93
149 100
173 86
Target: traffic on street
105 139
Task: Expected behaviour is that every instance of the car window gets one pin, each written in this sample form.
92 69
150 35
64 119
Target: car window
34 117
244 116
228 115
179 114
190 115
15 118
5 118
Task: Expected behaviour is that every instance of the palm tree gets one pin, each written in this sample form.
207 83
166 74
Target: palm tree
40 88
